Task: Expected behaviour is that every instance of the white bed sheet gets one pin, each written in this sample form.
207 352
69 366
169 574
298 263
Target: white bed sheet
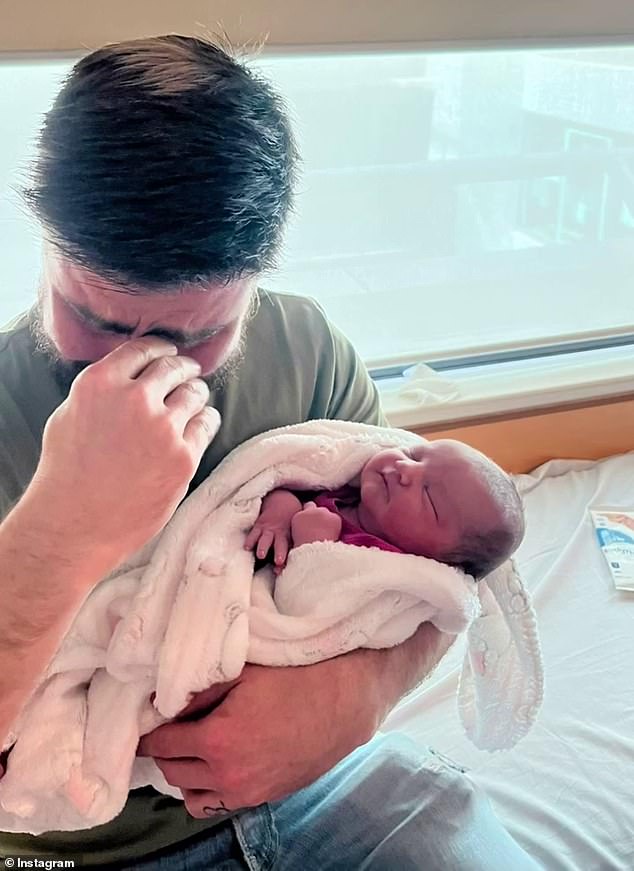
566 792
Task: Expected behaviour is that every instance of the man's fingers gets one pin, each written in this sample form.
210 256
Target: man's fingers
164 375
201 429
187 400
168 741
183 738
131 359
205 803
186 773
206 700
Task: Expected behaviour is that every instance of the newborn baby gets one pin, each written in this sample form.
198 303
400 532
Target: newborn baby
441 499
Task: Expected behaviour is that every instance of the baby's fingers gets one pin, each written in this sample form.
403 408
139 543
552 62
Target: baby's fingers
281 548
253 537
264 544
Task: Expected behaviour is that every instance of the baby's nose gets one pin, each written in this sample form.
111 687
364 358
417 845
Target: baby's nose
408 470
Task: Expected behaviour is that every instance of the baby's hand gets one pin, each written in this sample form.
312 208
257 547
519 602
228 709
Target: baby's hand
270 532
315 524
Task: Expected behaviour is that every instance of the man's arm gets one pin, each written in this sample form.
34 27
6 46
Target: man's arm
273 731
46 575
117 456
399 670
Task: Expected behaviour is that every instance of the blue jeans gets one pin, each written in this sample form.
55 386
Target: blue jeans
389 805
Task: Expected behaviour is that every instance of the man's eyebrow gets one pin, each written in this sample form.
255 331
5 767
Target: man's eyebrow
178 336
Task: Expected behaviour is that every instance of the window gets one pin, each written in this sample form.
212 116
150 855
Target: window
452 203
27 90
461 201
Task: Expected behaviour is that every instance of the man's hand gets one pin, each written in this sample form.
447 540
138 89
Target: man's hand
275 730
315 523
117 457
119 453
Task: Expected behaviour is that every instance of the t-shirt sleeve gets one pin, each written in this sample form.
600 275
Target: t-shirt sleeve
10 490
19 453
347 391
6 503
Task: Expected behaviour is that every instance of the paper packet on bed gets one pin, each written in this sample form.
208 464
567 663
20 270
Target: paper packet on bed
615 532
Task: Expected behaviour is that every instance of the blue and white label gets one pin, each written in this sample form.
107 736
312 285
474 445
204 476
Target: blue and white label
615 533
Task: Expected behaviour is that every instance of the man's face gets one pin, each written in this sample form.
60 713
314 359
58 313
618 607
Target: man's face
82 318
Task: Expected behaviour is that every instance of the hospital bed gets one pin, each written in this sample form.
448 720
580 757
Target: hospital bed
565 792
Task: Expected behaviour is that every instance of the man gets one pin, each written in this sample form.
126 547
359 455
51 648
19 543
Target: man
163 181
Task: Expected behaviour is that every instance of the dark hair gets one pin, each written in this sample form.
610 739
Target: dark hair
165 161
481 551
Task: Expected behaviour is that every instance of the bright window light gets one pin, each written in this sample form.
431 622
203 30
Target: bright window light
27 90
449 201
464 200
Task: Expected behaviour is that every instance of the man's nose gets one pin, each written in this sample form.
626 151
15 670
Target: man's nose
118 339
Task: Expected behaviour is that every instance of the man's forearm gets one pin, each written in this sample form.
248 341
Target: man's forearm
44 578
402 668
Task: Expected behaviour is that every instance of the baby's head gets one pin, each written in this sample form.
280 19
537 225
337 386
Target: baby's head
444 500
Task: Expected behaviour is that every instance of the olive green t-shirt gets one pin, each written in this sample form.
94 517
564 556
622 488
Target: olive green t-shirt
297 366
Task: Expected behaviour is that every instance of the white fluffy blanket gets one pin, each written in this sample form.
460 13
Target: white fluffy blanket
188 611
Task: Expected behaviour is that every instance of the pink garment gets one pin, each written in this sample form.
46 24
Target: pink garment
350 534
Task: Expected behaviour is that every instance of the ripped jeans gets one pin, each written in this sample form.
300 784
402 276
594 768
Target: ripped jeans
389 806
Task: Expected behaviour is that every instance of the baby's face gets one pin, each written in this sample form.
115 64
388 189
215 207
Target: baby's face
424 500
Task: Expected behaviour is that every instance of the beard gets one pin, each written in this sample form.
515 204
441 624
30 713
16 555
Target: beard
64 371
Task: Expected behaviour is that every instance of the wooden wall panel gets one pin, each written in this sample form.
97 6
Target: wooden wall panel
519 444
81 25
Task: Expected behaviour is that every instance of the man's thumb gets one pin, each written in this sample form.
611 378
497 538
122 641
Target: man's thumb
204 702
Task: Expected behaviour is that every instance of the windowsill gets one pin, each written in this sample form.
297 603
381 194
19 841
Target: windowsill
427 398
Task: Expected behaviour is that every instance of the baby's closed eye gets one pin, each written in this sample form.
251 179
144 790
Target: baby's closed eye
431 500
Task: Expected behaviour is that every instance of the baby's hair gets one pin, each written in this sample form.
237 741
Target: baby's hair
481 551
